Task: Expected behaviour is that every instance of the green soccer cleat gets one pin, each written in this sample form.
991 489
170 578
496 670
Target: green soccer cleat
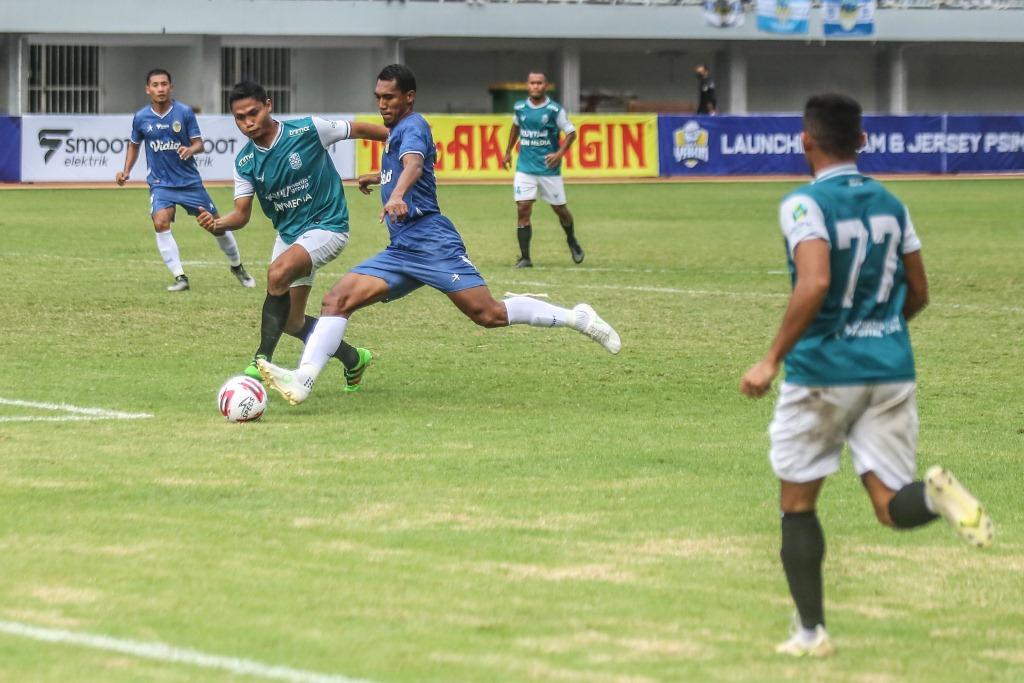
252 371
354 377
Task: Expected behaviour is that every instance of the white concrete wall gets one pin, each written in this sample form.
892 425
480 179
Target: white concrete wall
123 72
781 77
965 79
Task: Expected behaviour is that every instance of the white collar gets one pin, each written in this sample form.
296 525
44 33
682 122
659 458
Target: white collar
847 168
280 129
160 116
546 102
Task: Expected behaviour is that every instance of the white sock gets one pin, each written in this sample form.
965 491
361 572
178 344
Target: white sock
168 249
808 635
229 246
322 344
522 310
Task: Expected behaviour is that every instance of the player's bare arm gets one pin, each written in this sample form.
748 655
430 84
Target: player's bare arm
396 208
130 157
813 276
237 219
555 158
366 180
196 147
361 130
513 138
917 284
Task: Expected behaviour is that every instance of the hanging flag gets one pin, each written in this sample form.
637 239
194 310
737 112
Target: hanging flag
723 13
783 16
849 18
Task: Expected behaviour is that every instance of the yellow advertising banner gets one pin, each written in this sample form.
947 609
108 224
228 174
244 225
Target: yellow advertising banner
471 147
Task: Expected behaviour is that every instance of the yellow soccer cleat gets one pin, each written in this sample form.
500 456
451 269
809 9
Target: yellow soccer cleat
961 509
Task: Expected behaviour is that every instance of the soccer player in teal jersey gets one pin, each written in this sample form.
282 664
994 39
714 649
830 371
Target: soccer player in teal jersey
286 166
172 137
858 277
425 249
536 124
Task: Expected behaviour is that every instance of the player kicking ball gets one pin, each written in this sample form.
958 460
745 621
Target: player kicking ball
858 277
425 249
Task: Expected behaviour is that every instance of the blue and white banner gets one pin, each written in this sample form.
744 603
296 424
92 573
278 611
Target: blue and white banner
849 18
783 16
771 145
10 149
723 13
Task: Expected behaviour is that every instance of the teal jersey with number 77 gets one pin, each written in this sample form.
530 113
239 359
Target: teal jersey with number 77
860 335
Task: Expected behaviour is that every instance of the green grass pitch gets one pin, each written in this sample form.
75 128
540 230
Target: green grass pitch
496 505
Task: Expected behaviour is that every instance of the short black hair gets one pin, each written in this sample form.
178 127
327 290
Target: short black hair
158 72
402 75
834 122
245 90
539 72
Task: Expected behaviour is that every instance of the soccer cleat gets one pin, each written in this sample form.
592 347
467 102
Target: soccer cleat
961 509
597 329
244 278
796 646
292 384
180 284
354 377
524 263
251 370
576 250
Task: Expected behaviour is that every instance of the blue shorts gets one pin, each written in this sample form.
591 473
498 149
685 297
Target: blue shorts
192 198
406 271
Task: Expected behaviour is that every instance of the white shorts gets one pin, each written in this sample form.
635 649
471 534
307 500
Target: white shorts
811 424
323 246
552 189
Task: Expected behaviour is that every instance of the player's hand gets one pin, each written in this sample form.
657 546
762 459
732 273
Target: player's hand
758 379
185 153
396 209
208 223
366 180
507 163
121 178
552 160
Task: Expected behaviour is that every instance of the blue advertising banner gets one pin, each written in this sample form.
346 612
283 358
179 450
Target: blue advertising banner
771 145
10 149
783 16
848 18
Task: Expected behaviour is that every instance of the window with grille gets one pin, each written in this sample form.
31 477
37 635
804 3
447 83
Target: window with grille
271 67
64 79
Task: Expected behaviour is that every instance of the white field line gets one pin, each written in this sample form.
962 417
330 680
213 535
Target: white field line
741 295
168 653
73 413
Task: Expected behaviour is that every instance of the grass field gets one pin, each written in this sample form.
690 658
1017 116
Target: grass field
496 505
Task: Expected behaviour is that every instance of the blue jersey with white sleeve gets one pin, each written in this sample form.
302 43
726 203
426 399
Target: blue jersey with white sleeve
860 335
162 136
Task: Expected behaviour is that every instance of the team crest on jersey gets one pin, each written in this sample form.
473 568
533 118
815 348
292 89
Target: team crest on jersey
176 126
544 120
799 212
691 144
295 161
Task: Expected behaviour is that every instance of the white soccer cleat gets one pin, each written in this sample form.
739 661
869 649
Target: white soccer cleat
961 509
598 330
797 646
292 384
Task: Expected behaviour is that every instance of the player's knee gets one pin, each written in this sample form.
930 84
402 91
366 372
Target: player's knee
161 225
494 315
279 280
336 303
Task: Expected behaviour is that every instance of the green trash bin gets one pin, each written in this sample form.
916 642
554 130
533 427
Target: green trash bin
505 95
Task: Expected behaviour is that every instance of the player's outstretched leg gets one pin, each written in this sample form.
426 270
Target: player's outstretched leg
957 506
524 310
355 360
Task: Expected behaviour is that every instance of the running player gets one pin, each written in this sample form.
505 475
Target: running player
858 277
536 124
172 136
425 249
287 167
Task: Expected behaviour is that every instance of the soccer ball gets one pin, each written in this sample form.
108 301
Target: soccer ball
242 399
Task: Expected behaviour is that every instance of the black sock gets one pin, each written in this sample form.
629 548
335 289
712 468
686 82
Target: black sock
803 550
275 315
346 353
570 233
524 233
908 508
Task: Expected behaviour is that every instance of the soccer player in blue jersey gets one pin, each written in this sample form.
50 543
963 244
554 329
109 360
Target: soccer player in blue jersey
858 277
425 249
536 124
287 167
172 137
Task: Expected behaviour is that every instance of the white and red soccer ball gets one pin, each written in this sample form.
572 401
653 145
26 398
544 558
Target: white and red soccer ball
242 399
